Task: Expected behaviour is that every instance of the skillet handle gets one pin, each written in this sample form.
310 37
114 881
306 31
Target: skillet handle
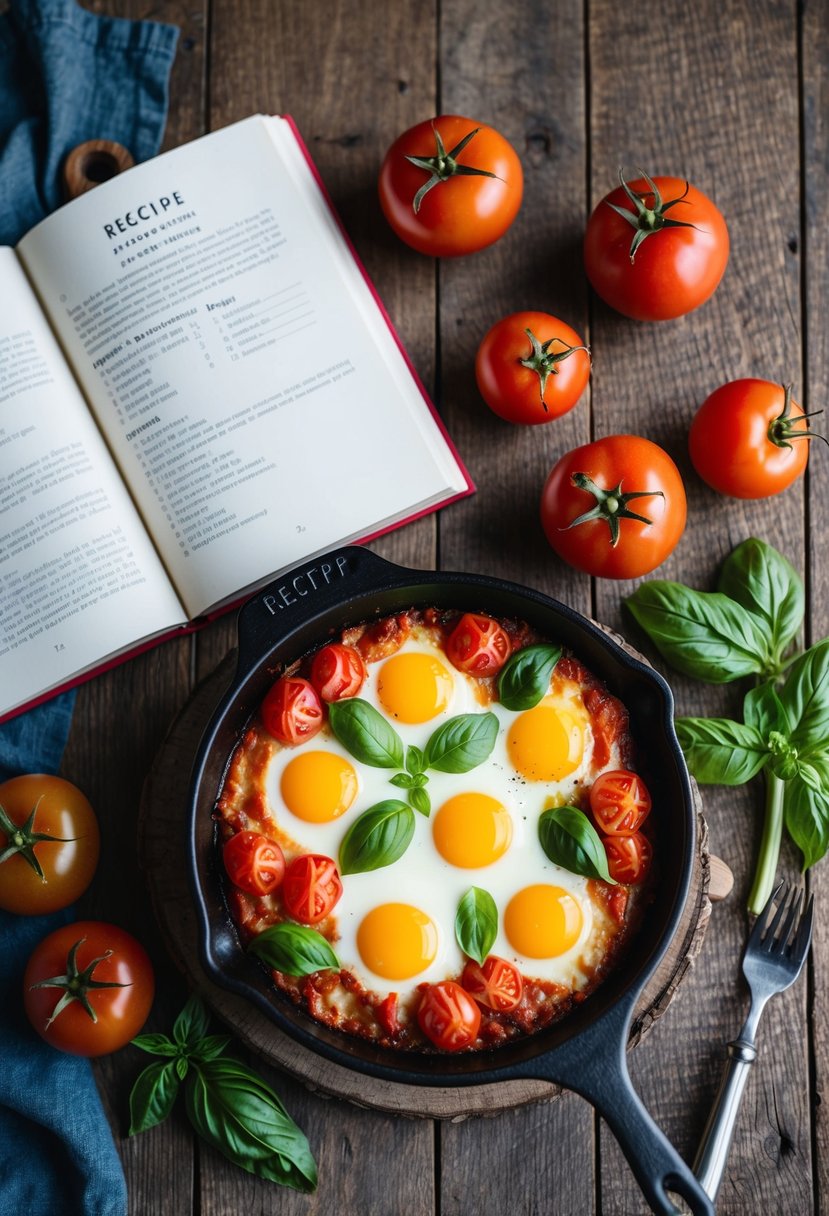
278 608
598 1071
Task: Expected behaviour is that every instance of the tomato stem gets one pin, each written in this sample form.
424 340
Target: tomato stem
77 984
20 839
444 165
769 844
611 505
544 363
647 220
782 428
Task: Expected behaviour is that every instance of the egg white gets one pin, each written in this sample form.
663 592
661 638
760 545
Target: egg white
422 877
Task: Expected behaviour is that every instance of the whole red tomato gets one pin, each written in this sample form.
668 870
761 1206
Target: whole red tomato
531 367
49 843
614 508
62 998
450 186
655 248
750 439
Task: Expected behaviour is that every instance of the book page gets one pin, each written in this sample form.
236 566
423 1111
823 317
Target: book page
79 578
246 382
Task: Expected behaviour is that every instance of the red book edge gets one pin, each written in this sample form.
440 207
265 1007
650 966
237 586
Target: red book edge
200 622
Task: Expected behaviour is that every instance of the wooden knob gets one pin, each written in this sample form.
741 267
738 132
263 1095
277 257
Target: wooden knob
721 879
94 162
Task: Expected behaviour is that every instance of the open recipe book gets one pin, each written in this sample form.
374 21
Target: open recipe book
198 389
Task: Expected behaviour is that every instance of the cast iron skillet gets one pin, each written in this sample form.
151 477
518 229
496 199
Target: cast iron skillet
586 1050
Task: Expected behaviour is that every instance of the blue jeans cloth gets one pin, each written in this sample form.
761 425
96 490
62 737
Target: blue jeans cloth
66 75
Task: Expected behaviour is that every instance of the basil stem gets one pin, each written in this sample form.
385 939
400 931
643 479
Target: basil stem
766 869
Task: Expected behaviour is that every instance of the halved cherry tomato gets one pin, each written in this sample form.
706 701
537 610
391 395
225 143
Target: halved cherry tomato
49 844
620 802
628 857
655 248
497 984
531 368
337 671
478 645
311 887
614 508
450 186
750 439
292 711
91 1020
254 863
448 1016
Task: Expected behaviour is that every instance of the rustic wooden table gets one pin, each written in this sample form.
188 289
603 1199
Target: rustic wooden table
734 95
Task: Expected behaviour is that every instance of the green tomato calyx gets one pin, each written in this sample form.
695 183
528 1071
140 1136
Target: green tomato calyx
77 984
645 220
783 429
20 838
544 362
611 505
444 165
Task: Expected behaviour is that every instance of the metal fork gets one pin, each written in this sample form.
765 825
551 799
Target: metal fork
774 956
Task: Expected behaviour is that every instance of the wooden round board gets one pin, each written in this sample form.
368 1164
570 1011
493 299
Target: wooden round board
163 806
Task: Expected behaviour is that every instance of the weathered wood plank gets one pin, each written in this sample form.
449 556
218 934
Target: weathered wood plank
706 92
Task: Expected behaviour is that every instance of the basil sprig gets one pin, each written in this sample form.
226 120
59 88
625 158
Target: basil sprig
294 949
525 677
569 840
747 628
377 838
476 923
228 1104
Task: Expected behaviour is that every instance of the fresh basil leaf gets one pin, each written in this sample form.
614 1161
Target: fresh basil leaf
462 743
377 838
419 781
476 923
805 697
210 1046
193 1022
403 781
806 813
182 1067
761 580
155 1044
421 801
152 1096
525 677
569 840
763 709
237 1113
365 733
294 949
703 634
415 761
720 751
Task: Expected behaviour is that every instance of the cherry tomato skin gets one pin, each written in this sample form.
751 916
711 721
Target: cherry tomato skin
292 711
337 671
68 865
497 984
311 888
729 440
254 863
638 465
121 1012
448 1016
620 802
628 858
513 391
464 213
478 645
674 269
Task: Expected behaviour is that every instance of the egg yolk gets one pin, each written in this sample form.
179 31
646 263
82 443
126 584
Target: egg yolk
543 921
472 830
318 786
547 743
414 687
397 941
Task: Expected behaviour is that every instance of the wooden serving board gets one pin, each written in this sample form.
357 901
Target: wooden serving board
163 819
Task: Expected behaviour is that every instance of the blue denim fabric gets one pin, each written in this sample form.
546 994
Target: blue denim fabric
66 75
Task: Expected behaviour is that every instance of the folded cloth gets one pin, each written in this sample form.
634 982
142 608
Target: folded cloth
66 76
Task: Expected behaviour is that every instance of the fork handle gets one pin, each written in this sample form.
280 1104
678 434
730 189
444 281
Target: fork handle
712 1154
